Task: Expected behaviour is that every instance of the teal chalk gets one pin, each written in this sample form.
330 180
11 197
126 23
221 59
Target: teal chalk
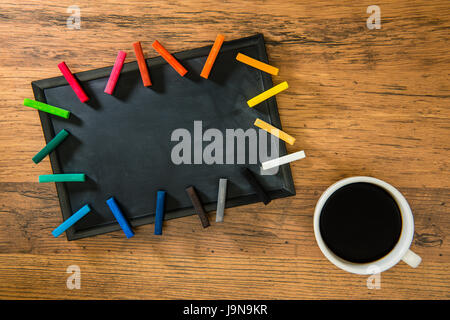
50 146
66 177
69 222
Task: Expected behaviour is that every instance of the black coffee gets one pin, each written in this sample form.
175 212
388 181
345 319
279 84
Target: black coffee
360 222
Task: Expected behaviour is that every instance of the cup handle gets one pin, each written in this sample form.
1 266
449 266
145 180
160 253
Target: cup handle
412 259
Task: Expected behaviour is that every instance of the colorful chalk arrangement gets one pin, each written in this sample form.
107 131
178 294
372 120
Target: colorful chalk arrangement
146 81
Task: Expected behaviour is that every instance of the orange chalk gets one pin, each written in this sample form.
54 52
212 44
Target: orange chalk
257 64
212 56
169 58
142 64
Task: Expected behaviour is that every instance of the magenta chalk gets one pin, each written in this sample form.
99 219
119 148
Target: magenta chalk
73 82
115 72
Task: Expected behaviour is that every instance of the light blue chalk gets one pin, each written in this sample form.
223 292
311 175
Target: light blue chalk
72 220
111 202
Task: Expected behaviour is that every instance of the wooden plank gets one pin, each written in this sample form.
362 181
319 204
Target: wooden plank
360 102
249 250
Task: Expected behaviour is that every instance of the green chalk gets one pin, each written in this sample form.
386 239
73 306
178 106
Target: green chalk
50 146
46 108
65 177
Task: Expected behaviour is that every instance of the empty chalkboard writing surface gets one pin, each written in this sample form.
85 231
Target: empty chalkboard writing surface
123 142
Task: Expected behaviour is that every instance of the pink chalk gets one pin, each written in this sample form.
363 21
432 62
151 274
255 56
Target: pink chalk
115 72
73 82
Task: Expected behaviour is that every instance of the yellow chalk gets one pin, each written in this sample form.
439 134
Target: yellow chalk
275 131
267 94
257 64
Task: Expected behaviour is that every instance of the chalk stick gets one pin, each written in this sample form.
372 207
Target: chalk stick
274 131
212 56
169 58
257 187
142 64
282 160
111 202
267 94
221 198
46 108
71 221
50 146
159 217
73 82
115 72
256 64
65 177
198 206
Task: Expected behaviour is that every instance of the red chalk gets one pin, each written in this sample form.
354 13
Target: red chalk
169 58
73 82
142 64
115 72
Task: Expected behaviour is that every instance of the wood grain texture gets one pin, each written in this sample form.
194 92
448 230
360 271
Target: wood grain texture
360 102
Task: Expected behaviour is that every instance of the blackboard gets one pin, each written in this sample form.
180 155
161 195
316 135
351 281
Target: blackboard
122 142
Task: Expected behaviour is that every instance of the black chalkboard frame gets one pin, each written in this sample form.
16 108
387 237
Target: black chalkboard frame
39 87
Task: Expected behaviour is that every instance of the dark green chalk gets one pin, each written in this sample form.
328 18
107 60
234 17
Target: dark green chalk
50 146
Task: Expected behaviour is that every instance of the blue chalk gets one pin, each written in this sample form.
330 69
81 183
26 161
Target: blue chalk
69 222
160 197
119 217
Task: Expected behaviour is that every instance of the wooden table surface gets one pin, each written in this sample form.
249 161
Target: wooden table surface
360 102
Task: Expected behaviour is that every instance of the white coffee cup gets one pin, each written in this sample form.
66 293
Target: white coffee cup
399 252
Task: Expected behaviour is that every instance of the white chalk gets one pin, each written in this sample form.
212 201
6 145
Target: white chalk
283 160
221 197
